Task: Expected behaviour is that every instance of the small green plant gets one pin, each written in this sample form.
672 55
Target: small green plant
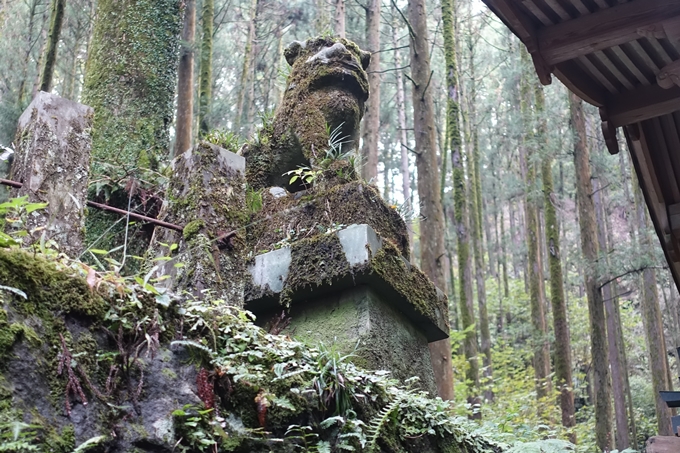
15 214
224 139
303 174
19 437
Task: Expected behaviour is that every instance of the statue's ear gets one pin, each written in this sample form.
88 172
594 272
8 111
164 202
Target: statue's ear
365 58
293 51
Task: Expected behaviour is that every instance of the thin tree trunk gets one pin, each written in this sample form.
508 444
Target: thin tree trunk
246 68
339 18
403 138
536 288
50 57
432 253
205 79
371 129
559 308
476 227
589 247
185 81
504 256
610 299
653 325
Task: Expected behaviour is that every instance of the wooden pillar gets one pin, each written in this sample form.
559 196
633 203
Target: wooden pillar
52 161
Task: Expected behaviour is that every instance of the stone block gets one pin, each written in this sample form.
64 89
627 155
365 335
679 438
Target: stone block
207 197
52 161
348 287
358 320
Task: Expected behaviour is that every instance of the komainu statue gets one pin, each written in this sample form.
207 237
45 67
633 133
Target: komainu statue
325 95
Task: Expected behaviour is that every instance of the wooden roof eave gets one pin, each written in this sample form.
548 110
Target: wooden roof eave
624 59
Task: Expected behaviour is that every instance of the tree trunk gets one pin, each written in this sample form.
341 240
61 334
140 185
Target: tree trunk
185 81
653 325
339 18
131 80
205 77
56 22
371 129
535 267
610 299
476 228
460 206
246 69
403 137
559 308
589 248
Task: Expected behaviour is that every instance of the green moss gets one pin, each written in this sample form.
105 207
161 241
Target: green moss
192 228
130 81
63 442
168 373
342 204
48 288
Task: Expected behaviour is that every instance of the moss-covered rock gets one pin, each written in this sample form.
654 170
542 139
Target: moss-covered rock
282 221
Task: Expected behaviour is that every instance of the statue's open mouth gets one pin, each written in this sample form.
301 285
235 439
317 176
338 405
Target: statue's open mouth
345 75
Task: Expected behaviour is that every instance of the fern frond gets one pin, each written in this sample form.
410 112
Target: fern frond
377 423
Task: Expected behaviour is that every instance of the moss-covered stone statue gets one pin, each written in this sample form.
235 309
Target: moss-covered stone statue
326 91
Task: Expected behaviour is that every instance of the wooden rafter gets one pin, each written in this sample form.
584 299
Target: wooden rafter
641 104
603 29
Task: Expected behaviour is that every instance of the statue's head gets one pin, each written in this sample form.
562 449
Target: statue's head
325 97
326 62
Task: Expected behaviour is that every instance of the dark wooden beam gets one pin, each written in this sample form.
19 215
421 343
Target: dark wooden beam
603 29
578 82
641 104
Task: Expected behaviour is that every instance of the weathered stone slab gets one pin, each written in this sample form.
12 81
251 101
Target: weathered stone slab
335 262
359 320
307 214
52 160
206 196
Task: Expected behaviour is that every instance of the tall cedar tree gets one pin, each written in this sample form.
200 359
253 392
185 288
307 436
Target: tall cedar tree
613 326
246 70
590 250
371 126
205 77
432 254
562 355
403 139
474 179
130 81
185 81
536 288
339 18
56 22
467 316
653 325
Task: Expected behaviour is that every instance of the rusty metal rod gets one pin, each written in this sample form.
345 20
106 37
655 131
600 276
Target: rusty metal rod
105 207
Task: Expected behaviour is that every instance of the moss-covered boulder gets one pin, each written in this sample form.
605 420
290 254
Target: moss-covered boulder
325 95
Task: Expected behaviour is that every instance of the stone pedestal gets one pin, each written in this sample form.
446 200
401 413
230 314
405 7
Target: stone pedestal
206 196
352 287
52 161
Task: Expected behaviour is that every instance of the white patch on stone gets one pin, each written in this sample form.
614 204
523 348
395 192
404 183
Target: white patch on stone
271 269
325 54
164 429
278 192
355 239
